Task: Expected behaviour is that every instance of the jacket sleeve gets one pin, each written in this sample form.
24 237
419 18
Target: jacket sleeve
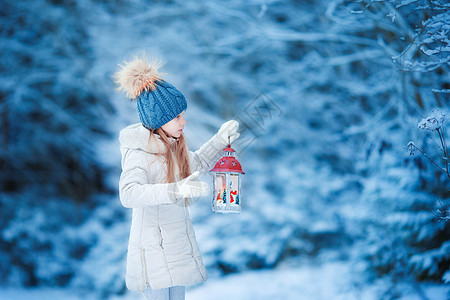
134 187
209 153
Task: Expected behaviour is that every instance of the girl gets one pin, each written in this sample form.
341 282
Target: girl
158 184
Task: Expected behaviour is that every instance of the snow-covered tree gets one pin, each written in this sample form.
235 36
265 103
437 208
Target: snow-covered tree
404 239
52 114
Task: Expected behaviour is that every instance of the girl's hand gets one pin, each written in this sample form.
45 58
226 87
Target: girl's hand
185 191
228 132
204 158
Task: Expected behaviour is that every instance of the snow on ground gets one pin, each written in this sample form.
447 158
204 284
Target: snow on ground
332 280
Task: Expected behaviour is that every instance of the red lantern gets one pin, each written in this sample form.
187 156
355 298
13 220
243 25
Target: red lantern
227 183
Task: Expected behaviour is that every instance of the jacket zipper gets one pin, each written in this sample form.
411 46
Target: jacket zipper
186 213
160 238
144 267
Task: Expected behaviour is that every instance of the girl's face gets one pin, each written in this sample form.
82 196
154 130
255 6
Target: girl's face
174 128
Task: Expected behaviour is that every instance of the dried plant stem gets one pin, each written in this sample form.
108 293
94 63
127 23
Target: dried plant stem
431 160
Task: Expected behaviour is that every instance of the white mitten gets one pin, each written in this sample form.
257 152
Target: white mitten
186 191
227 133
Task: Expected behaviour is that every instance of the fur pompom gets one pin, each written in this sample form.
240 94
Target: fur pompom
137 75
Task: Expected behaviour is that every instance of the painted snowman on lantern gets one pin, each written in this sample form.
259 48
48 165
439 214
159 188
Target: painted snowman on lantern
226 192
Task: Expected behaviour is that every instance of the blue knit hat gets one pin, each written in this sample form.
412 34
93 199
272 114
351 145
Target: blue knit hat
157 107
158 102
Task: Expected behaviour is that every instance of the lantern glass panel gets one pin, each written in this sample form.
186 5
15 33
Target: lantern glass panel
234 190
220 190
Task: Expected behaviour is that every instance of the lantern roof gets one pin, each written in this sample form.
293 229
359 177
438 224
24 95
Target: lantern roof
228 149
228 163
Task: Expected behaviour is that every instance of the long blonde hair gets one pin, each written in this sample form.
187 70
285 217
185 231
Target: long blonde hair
179 150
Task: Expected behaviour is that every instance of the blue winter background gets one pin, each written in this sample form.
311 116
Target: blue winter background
328 93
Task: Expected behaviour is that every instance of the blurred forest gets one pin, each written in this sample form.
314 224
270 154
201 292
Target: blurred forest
338 88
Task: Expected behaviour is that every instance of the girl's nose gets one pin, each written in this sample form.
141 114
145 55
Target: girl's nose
183 121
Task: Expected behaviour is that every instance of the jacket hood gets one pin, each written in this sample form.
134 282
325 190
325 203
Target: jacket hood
137 136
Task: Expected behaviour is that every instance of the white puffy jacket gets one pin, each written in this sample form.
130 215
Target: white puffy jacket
162 249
